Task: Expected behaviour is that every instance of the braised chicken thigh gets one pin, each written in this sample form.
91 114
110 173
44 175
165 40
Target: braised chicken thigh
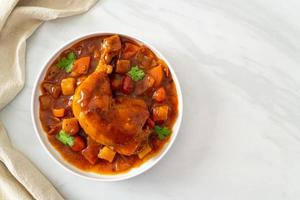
117 123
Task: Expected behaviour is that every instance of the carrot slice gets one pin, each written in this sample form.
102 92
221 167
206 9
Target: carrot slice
70 125
160 113
81 65
159 95
58 112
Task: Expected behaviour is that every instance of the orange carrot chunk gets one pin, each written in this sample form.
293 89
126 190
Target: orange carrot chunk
160 113
159 95
81 66
58 112
157 74
70 125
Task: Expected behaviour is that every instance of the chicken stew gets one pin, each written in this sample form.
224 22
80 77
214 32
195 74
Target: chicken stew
108 104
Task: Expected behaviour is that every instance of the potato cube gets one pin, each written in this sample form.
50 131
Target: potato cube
160 113
68 86
145 151
122 66
107 154
70 125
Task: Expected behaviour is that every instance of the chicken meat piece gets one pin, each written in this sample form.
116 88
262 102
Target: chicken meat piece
118 122
113 122
111 46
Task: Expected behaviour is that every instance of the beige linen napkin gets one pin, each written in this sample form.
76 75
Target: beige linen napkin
19 179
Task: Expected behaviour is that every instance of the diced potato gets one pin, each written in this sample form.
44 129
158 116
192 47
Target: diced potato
122 66
68 86
58 112
107 154
160 113
70 125
157 74
145 151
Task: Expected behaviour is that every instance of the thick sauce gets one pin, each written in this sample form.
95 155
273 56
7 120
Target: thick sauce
53 98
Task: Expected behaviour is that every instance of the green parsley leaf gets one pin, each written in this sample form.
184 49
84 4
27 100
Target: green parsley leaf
65 138
71 56
136 73
162 132
66 63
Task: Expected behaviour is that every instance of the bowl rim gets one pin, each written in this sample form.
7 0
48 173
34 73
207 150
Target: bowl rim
69 167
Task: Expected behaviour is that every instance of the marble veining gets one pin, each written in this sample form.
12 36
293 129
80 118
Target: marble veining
238 65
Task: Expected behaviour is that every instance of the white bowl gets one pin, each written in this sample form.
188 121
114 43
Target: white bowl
59 159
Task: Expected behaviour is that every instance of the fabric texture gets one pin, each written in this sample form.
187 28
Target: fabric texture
19 179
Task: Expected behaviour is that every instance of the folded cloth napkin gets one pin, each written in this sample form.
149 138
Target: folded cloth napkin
19 179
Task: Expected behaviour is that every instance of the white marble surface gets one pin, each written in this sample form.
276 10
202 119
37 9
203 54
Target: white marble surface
239 67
